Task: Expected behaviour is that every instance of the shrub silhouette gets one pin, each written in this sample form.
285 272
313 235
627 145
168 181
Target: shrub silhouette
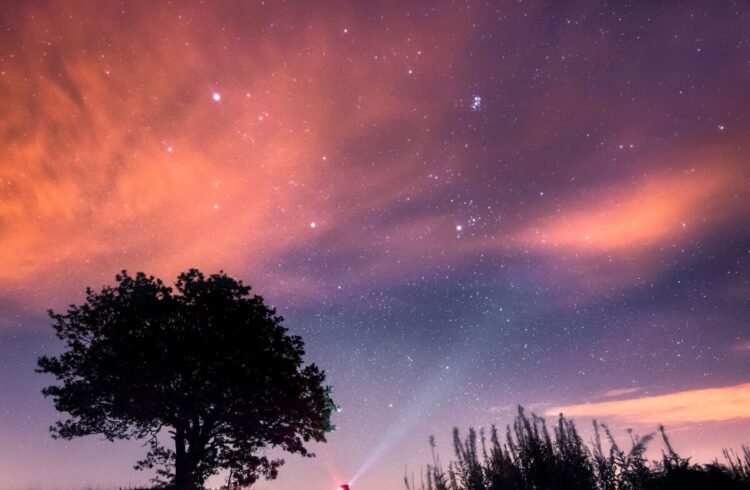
208 365
532 458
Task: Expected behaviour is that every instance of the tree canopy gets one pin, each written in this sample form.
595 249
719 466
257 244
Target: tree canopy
206 364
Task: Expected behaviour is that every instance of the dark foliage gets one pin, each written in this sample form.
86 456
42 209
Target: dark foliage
532 458
208 365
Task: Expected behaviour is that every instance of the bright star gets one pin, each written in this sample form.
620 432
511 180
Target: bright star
313 224
216 96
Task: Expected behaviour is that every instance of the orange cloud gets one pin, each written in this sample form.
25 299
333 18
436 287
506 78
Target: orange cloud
642 213
116 155
701 405
115 160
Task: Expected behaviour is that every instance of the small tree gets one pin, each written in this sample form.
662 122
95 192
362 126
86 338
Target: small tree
209 364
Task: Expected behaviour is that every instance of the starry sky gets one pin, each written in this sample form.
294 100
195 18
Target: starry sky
460 205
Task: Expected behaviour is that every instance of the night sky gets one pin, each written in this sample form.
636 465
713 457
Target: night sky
460 206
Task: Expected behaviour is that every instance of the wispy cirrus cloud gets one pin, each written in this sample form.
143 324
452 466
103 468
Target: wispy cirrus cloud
699 405
113 162
618 392
642 213
618 236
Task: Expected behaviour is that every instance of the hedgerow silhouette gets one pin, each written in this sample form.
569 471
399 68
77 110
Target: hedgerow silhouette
532 458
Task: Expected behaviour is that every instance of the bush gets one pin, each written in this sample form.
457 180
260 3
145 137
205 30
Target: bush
532 458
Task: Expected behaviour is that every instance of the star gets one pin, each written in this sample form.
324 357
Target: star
216 96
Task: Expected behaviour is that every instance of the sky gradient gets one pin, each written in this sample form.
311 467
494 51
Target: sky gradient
460 206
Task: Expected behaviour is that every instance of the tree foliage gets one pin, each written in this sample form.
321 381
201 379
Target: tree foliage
206 364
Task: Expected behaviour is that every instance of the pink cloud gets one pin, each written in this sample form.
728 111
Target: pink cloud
640 214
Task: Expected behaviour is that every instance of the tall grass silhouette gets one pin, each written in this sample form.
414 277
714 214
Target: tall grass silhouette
530 456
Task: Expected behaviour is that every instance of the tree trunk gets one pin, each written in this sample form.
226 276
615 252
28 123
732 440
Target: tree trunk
183 466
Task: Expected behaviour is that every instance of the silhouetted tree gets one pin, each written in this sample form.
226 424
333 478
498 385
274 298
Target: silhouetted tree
208 364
